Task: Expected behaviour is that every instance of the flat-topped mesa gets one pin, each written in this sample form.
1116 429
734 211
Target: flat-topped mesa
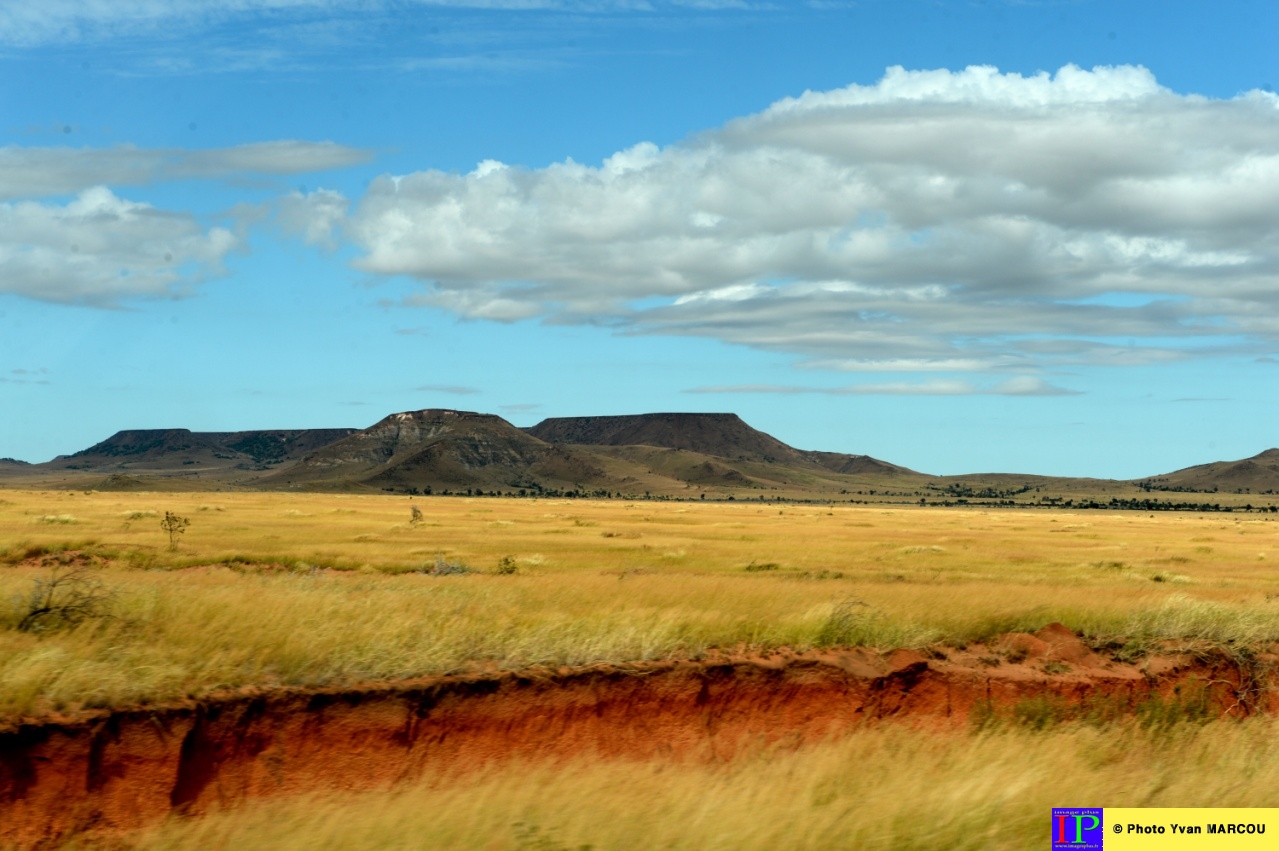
721 435
143 441
439 447
178 445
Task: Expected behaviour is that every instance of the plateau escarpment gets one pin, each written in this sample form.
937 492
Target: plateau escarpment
677 454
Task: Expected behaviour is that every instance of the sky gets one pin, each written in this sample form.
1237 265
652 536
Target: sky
957 235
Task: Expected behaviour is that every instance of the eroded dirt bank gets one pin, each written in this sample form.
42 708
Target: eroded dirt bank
124 769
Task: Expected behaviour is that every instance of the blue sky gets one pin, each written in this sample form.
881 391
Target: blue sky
958 236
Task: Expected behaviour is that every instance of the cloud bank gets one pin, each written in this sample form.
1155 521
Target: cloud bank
41 172
973 219
100 248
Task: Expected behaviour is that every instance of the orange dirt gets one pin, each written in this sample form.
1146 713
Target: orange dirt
126 768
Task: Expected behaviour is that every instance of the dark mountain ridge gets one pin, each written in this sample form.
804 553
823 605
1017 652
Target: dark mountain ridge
264 446
721 435
724 436
671 454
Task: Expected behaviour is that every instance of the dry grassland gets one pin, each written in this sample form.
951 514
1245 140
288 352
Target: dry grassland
308 589
877 789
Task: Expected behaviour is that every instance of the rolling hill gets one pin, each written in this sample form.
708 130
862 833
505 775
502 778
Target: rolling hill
1258 474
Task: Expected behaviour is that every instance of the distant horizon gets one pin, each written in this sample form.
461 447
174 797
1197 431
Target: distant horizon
644 414
956 236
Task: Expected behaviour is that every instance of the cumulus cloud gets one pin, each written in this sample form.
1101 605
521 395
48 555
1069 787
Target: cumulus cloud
936 220
100 248
42 172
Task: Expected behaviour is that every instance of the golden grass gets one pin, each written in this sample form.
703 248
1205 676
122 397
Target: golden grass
878 788
306 589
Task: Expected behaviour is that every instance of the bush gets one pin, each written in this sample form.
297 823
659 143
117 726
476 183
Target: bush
447 568
64 599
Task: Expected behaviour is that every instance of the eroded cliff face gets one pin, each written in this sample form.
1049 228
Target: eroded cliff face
124 769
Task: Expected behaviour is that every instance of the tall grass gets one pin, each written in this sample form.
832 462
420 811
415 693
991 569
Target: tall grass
197 631
878 788
321 589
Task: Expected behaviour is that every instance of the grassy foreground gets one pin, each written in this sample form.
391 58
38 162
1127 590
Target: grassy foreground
878 788
310 589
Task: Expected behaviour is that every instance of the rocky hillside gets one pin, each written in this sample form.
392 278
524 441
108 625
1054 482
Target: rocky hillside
436 449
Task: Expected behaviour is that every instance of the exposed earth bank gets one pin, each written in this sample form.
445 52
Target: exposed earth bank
123 769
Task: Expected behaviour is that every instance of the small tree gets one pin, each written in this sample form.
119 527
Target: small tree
174 525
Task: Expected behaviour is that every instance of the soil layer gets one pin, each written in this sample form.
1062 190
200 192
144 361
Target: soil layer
123 769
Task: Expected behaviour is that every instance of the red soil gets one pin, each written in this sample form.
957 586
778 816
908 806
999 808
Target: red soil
126 768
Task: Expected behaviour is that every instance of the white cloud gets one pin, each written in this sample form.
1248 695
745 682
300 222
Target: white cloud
934 217
32 24
313 216
100 248
1026 385
42 172
1018 386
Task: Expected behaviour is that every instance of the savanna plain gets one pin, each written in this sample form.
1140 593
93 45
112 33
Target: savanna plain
263 592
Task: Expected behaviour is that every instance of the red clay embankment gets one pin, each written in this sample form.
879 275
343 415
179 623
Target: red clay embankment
124 769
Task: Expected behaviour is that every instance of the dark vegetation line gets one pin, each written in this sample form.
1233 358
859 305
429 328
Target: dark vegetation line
950 499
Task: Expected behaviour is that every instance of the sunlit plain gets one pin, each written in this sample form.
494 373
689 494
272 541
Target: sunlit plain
307 589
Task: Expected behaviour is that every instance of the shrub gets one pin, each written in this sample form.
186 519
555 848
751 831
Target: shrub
64 599
444 567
